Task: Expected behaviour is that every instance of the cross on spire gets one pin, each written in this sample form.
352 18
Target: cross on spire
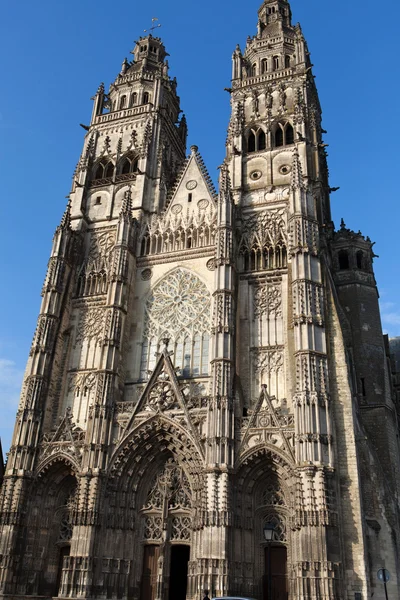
154 26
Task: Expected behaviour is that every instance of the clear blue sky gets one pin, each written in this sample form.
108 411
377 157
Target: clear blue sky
55 54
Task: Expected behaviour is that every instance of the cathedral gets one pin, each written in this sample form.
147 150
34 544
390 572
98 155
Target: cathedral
209 404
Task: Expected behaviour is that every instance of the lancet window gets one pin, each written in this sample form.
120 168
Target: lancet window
178 309
284 135
256 140
128 165
103 170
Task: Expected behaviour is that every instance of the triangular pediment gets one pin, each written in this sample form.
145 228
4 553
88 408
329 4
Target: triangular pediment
194 191
163 394
265 416
67 430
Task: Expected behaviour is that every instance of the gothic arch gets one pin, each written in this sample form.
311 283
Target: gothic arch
265 493
253 457
62 458
49 522
158 434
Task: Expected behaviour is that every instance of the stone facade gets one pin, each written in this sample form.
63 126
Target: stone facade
207 367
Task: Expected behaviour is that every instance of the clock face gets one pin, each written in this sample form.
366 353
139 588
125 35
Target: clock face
191 185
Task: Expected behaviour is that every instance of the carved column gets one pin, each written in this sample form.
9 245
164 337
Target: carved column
32 408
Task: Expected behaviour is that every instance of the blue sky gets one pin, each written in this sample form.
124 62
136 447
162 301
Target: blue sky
55 54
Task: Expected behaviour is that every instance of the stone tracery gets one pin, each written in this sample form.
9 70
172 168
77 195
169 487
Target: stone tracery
179 310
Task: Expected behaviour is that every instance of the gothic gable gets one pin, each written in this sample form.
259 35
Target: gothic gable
194 191
164 394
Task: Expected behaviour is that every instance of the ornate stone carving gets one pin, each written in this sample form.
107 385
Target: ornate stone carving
91 325
101 245
267 300
267 361
180 304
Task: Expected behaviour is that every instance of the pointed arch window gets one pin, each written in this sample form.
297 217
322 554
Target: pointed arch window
275 62
287 61
134 99
251 142
104 170
128 164
279 137
146 98
284 135
122 102
257 140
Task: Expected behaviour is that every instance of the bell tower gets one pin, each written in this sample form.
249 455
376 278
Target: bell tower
136 138
276 157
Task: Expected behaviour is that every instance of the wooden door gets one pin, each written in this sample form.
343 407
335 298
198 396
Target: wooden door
278 573
149 575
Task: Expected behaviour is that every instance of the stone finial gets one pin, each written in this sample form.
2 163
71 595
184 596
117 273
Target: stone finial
194 149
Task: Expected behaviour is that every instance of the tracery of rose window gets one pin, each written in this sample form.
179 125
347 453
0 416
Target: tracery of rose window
178 309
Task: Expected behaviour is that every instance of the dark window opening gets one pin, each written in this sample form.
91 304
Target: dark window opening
190 197
279 137
122 102
104 170
359 258
276 63
289 135
287 61
344 262
264 66
262 140
98 200
254 70
251 142
134 99
364 391
146 98
109 171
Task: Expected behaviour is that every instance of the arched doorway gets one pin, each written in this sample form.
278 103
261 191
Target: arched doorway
167 530
49 528
264 496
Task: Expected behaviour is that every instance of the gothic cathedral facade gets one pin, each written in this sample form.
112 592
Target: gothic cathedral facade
208 402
